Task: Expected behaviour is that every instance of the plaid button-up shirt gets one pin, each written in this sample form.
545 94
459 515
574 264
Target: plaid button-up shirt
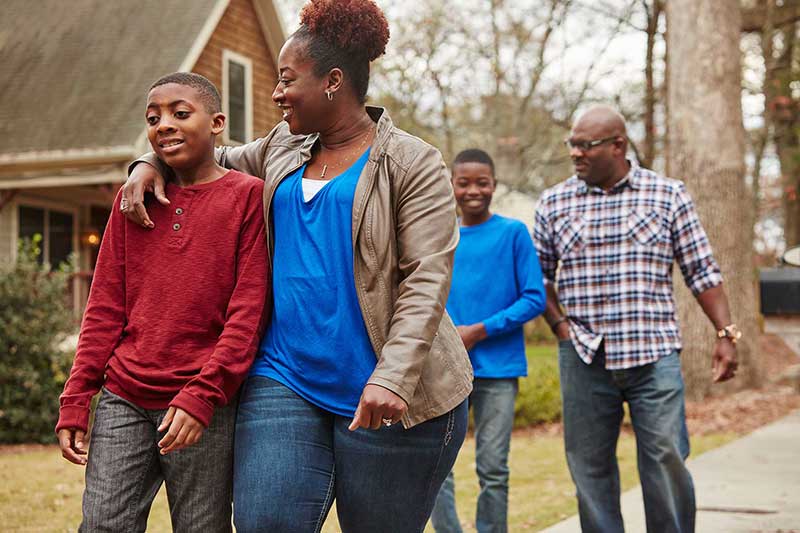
613 253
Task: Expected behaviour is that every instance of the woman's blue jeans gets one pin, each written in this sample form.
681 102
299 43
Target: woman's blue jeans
293 459
592 401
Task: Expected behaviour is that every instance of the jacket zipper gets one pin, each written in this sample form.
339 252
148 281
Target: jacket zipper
368 321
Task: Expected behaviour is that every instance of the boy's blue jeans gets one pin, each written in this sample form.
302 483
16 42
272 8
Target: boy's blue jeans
592 409
293 459
126 470
492 404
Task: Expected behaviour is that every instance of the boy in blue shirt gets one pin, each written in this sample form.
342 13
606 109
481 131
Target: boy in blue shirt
497 287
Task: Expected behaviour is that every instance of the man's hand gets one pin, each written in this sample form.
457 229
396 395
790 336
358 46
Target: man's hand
472 334
562 331
73 445
144 178
184 430
377 406
723 360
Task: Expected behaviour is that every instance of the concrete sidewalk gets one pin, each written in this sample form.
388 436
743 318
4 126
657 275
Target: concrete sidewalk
751 485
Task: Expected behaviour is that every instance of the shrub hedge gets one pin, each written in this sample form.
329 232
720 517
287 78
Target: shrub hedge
35 317
539 398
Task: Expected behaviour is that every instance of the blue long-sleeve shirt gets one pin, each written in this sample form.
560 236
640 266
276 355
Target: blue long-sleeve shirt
497 280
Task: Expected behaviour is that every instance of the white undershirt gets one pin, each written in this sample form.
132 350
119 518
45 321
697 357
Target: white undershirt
312 187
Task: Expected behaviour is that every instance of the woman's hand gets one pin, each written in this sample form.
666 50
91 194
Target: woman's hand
378 406
144 178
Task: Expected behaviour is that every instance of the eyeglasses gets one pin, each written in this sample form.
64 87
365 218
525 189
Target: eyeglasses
585 146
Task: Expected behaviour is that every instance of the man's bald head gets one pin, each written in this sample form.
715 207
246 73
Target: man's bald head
598 146
605 120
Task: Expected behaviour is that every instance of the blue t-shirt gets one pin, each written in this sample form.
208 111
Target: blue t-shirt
317 343
497 280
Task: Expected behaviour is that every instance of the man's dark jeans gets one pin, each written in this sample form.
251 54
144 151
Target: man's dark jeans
592 402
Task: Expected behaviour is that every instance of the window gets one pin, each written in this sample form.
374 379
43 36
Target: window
57 229
237 97
98 218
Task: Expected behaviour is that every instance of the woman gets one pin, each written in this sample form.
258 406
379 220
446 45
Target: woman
358 392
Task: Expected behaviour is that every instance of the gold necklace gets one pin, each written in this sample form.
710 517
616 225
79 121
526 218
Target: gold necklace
345 160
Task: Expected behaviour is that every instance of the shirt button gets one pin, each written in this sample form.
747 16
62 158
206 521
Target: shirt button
176 227
179 211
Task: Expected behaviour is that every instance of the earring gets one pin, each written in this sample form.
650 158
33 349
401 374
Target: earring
329 94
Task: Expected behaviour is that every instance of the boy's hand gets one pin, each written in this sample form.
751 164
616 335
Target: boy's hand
73 445
144 178
184 430
472 334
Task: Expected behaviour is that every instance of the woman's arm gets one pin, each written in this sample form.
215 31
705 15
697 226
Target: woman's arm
151 177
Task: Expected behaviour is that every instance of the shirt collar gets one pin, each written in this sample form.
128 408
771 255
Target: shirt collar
630 179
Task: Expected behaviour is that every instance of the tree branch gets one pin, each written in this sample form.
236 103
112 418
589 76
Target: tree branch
754 19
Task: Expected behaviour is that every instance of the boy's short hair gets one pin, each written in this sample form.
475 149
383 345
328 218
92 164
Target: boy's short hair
208 92
474 155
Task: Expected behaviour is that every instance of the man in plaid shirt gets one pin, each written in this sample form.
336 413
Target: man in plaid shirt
606 239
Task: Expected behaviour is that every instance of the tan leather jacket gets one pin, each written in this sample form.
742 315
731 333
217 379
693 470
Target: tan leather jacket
404 237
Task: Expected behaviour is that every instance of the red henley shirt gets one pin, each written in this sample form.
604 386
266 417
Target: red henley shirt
175 313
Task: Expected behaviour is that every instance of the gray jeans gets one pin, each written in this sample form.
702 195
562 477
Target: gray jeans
492 404
125 471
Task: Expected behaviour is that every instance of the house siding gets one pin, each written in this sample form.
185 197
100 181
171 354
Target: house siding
239 31
7 239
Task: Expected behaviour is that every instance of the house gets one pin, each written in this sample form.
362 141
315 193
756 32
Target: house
73 81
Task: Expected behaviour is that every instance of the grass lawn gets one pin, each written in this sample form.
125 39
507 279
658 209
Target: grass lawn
41 492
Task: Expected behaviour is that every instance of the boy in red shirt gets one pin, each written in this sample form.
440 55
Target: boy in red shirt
171 327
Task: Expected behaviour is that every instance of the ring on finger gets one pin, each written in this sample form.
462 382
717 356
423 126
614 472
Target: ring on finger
387 422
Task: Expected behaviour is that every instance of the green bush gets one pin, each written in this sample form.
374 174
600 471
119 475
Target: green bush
34 318
539 398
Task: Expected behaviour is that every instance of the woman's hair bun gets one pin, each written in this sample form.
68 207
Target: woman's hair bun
356 26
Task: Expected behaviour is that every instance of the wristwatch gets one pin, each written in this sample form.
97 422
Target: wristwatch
730 331
554 325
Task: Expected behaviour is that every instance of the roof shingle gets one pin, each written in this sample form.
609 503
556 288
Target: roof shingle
74 75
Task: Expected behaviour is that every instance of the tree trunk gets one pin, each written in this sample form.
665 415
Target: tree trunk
763 137
787 143
784 112
706 151
650 98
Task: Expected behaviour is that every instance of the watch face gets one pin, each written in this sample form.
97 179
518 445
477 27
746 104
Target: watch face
733 332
